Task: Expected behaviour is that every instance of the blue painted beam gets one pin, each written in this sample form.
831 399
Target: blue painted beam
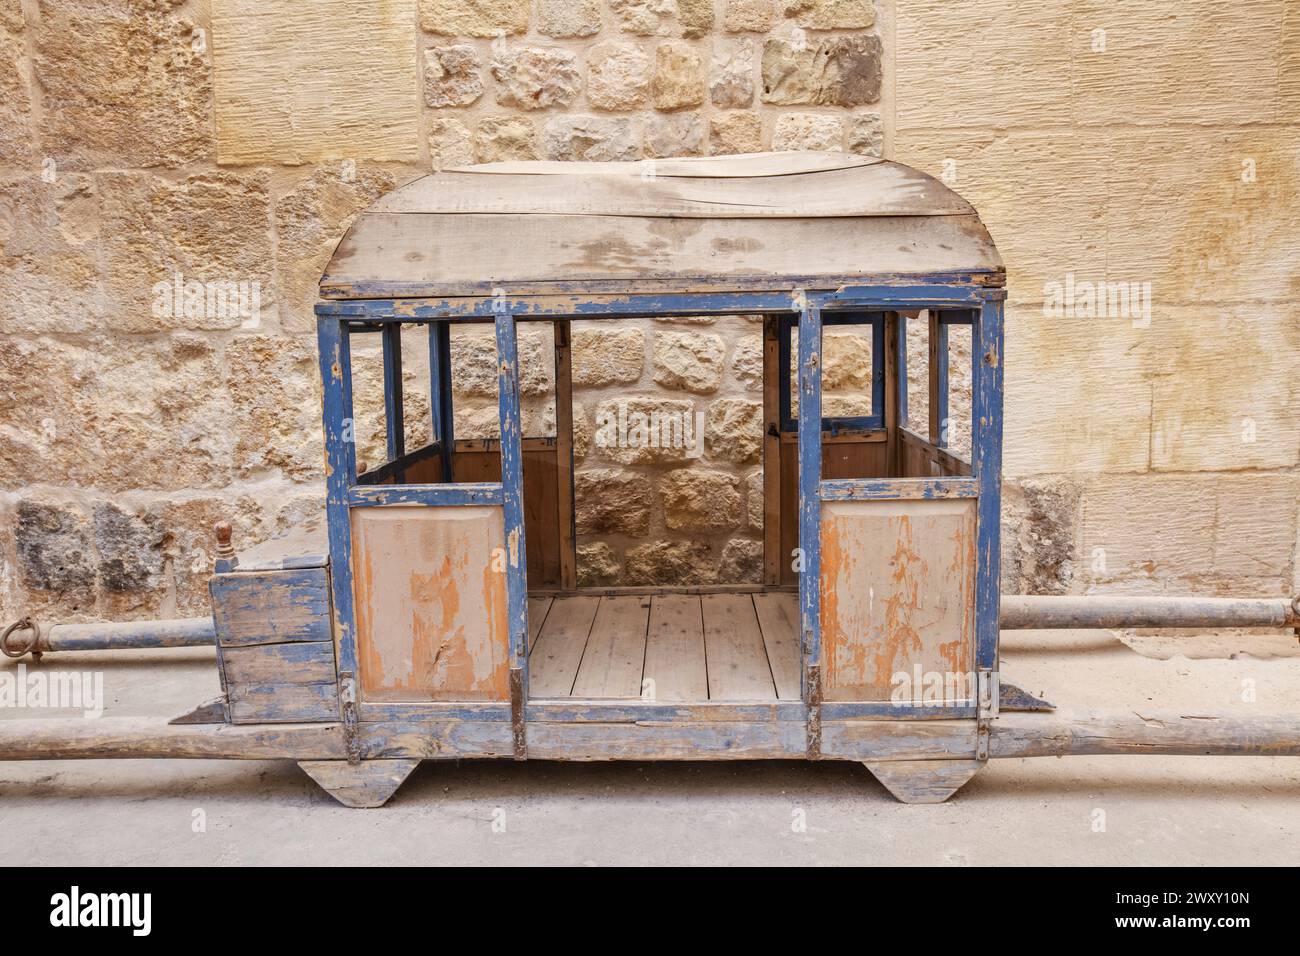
986 463
463 494
896 489
810 469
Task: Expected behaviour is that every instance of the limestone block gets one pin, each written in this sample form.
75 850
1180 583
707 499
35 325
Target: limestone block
291 86
607 355
670 563
678 77
535 78
731 81
689 360
735 430
608 501
474 18
647 430
595 139
451 75
698 500
568 18
735 132
618 76
677 134
502 138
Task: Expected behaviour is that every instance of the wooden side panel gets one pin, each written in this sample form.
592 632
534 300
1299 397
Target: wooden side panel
271 607
898 597
430 595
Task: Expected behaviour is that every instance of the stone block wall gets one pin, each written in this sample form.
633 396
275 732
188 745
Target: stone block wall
175 173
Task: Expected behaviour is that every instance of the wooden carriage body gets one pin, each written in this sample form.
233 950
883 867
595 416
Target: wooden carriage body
457 623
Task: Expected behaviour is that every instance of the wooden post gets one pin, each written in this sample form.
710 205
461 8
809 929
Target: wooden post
512 488
394 413
564 454
938 347
440 394
893 390
772 378
810 474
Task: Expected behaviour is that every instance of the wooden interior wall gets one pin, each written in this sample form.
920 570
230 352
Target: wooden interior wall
480 460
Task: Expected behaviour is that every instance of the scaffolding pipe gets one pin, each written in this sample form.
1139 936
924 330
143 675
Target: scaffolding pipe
1033 612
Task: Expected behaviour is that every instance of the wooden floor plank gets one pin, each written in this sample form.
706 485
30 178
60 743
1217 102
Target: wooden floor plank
615 655
778 618
553 664
537 610
674 653
733 643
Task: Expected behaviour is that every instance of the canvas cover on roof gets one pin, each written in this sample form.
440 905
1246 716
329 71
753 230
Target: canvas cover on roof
752 221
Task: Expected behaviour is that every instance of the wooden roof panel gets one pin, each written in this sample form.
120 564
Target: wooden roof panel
529 227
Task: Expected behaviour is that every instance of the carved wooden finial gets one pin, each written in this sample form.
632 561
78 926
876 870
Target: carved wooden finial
224 532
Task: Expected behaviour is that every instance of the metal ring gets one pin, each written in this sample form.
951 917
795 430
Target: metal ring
23 624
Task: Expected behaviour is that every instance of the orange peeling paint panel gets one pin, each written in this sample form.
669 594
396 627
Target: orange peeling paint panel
898 594
430 596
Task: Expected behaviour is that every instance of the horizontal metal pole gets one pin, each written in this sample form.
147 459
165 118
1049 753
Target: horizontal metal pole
1031 612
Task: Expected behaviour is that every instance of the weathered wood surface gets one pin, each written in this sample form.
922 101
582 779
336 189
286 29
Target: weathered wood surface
734 651
365 785
807 185
430 593
282 703
615 654
132 737
674 655
1026 611
1136 732
557 653
271 606
299 663
898 582
396 255
778 617
693 737
128 635
697 740
209 712
923 781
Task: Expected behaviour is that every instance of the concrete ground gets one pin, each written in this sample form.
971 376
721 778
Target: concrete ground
1077 810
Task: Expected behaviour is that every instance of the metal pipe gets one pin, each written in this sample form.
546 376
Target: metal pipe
1026 612
26 636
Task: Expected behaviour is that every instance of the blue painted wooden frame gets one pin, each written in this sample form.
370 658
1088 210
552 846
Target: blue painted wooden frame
835 425
335 357
512 484
982 305
394 415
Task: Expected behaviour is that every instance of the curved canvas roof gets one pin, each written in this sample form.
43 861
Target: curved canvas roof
761 220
